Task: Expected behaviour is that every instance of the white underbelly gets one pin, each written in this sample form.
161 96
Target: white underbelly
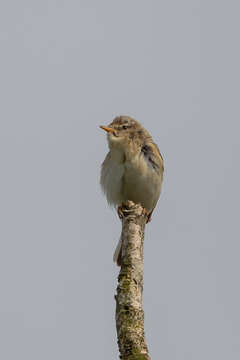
141 184
133 180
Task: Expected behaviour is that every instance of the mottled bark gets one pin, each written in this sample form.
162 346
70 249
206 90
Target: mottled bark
129 311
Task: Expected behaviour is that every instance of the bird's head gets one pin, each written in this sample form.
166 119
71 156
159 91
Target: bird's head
123 131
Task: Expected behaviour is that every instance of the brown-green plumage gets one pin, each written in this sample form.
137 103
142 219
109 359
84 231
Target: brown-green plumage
133 168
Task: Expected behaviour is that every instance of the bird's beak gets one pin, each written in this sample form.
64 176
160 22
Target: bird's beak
108 129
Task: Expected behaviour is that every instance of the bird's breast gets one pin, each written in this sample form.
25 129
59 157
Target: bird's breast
112 176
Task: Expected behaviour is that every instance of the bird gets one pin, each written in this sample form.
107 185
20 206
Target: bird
132 170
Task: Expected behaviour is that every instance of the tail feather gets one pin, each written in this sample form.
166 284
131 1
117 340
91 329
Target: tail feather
117 257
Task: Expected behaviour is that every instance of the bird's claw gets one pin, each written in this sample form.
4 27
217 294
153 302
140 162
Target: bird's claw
149 217
144 214
120 212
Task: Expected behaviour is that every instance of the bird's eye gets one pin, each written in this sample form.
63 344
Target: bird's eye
124 127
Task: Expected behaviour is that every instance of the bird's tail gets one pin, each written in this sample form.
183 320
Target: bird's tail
117 256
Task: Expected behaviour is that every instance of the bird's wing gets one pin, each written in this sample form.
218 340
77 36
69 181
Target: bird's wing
152 154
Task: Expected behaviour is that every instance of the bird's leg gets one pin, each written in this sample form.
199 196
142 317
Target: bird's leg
149 216
120 212
145 214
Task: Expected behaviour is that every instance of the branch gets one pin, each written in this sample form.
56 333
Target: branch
129 311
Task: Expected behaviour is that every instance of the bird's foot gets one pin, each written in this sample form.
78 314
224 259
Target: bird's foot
146 215
120 212
124 208
149 217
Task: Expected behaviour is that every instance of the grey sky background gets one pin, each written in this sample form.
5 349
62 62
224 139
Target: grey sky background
67 67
